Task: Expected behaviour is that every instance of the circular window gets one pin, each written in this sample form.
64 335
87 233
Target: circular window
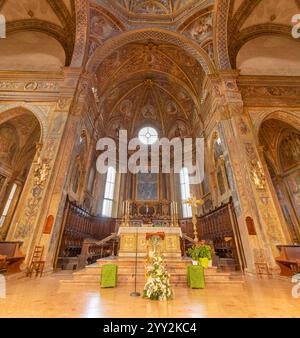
148 135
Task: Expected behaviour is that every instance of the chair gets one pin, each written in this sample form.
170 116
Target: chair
37 264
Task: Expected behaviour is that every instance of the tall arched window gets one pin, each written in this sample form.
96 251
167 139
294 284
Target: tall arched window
185 192
109 192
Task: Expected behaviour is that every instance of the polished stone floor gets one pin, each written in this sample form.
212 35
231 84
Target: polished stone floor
46 297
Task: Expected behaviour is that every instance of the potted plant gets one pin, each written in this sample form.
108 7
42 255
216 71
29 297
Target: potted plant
205 256
193 252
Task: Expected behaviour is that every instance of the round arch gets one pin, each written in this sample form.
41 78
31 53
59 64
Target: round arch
7 112
81 37
113 44
289 117
254 32
222 8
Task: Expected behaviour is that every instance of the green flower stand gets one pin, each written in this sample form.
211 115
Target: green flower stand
196 278
109 276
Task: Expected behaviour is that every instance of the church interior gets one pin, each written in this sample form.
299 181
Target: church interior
76 242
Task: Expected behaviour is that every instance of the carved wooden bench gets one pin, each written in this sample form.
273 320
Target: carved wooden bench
10 256
289 259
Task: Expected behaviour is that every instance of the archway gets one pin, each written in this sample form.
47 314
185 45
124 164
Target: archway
281 145
19 137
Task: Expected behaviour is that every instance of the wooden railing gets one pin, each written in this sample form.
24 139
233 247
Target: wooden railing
93 250
87 238
78 226
220 228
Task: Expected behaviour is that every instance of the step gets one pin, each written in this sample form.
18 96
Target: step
177 268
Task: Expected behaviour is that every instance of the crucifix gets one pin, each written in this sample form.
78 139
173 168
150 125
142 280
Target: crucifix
194 203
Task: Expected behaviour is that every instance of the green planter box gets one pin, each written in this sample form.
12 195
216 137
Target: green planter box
196 278
109 276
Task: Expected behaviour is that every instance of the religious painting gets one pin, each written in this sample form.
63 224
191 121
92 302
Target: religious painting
147 187
290 150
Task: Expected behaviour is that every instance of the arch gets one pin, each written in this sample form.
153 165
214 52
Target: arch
283 166
113 44
256 31
7 112
283 137
81 37
289 117
50 29
222 8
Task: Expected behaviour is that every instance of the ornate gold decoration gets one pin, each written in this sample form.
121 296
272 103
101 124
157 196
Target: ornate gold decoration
126 213
194 203
256 170
41 174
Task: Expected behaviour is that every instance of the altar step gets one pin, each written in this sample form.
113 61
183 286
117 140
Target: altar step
177 268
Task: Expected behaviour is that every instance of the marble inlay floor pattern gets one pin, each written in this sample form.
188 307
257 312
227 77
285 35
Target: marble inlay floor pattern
46 297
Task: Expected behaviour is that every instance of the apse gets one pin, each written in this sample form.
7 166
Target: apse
150 84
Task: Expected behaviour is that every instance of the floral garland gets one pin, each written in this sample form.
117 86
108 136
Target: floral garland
158 280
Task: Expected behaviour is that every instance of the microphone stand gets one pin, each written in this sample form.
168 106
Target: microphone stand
135 293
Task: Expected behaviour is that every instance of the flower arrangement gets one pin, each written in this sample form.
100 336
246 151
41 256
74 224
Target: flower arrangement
193 252
158 280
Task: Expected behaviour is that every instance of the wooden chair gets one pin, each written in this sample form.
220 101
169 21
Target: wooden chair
37 264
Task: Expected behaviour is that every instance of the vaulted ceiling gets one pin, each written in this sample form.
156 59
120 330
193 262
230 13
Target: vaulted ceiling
156 84
138 81
18 138
260 39
40 34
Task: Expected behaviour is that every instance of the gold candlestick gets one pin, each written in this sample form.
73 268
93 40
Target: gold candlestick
126 217
193 202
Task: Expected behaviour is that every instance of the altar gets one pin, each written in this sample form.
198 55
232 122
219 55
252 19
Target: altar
135 237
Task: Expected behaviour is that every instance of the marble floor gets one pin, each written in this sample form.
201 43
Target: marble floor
46 297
